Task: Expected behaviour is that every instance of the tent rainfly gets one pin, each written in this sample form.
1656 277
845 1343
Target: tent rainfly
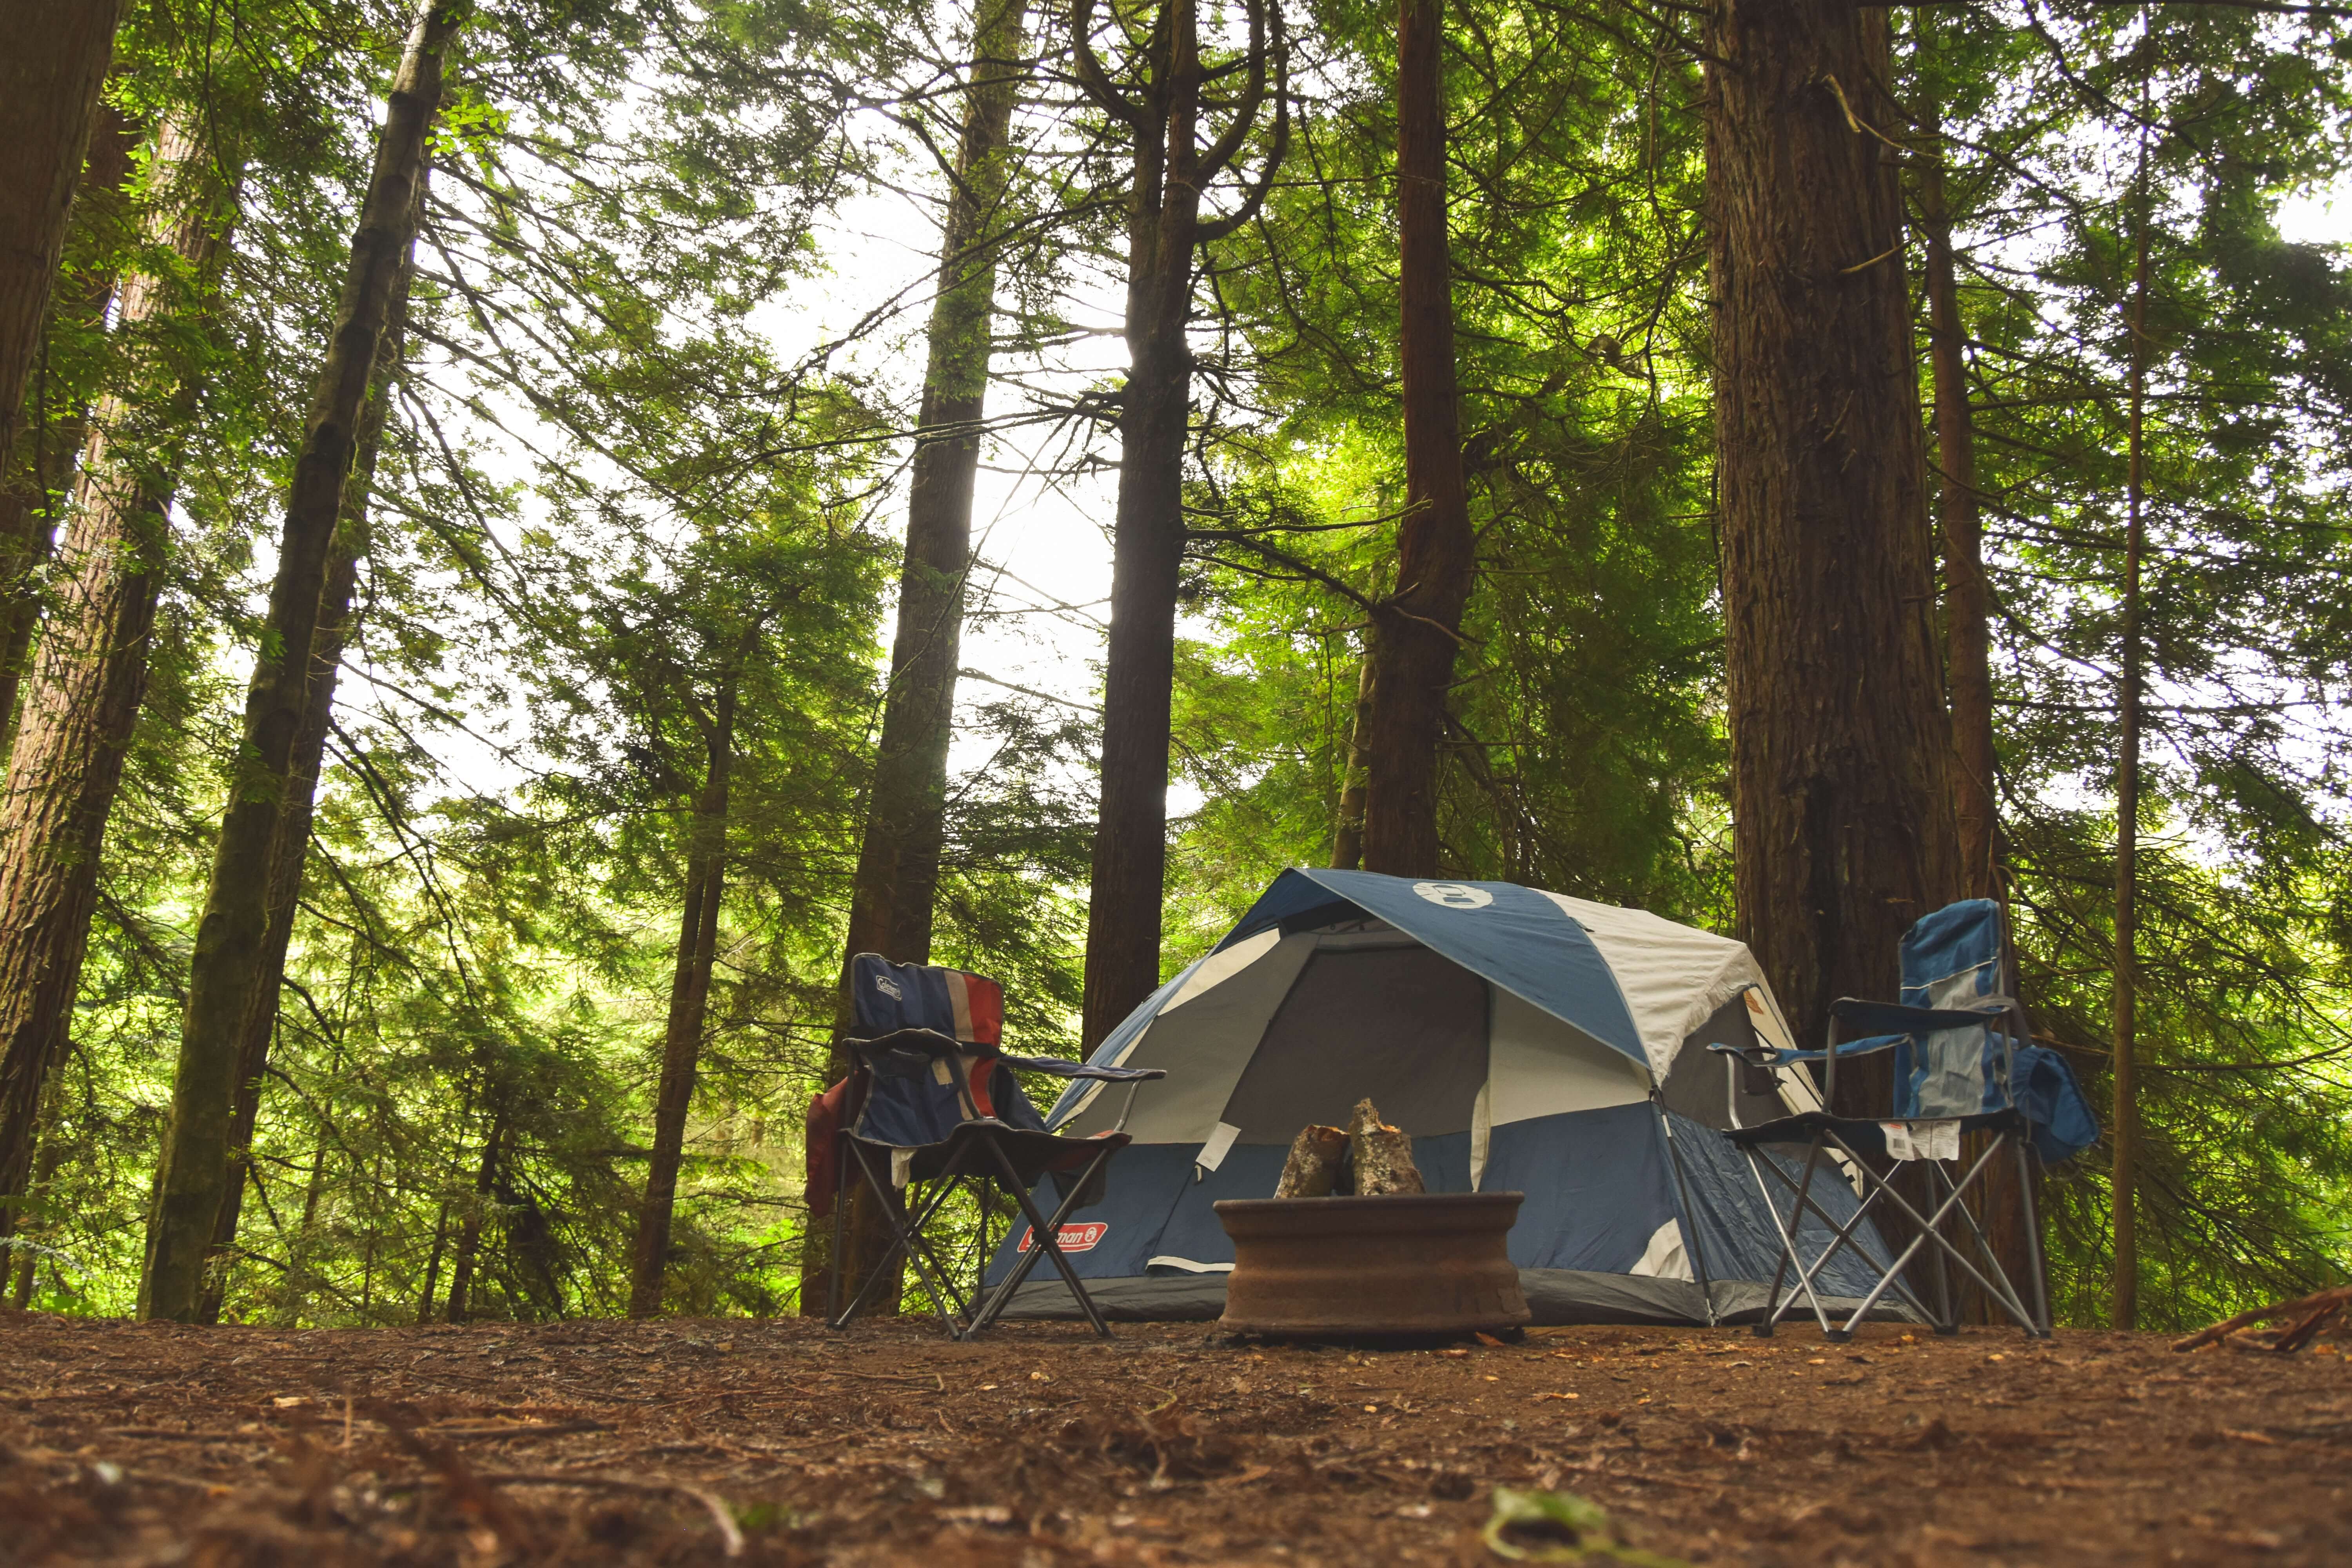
1528 1042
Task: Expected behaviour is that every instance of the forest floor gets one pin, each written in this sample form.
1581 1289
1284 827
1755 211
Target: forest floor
776 1442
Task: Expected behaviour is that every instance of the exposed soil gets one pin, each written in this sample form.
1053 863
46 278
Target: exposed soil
1038 1446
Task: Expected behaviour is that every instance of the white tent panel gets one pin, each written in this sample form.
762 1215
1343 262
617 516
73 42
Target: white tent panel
1673 976
1204 1044
1538 1066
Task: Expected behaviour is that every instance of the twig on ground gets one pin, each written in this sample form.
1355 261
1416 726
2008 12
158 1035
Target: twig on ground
2309 1312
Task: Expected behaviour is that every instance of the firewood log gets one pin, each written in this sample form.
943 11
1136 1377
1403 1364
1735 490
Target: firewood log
1312 1170
1382 1154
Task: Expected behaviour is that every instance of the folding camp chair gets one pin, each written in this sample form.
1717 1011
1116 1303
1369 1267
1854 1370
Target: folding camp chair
1962 1063
933 1101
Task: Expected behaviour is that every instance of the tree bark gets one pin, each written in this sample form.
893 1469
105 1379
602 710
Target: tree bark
1347 832
1841 746
2123 1312
1415 630
1379 1155
689 999
225 977
1164 227
1967 672
33 498
82 701
290 849
1311 1169
892 904
469 1229
898 862
1968 595
53 61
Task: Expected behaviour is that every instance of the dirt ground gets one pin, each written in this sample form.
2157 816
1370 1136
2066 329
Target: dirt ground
778 1442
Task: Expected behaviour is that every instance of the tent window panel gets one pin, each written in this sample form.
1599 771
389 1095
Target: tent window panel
1406 1028
1546 1068
1702 1089
1204 1044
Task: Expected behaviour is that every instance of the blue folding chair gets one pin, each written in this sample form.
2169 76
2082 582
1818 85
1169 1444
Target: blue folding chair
933 1101
1963 1062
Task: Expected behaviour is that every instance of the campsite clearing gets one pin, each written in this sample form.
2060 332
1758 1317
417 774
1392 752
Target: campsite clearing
609 1442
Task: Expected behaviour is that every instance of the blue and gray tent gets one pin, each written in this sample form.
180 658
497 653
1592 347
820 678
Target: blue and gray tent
1528 1042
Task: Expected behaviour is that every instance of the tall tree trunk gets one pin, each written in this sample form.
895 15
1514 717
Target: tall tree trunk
1130 848
898 863
32 498
689 1000
891 907
82 701
53 61
1414 630
469 1229
289 850
45 1167
2124 1312
1968 672
1347 832
1968 595
1164 227
1841 747
226 976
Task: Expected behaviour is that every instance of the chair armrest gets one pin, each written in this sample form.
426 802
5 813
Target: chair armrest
927 1042
1894 1018
1062 1067
1762 1056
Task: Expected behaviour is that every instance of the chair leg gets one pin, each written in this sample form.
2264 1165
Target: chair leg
1929 1233
840 1207
907 1241
1775 1306
1047 1236
2035 1262
1947 1309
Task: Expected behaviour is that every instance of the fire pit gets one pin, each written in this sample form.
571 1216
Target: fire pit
1402 1263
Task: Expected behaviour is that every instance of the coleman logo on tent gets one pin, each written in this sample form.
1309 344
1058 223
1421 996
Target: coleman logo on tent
1454 895
1075 1237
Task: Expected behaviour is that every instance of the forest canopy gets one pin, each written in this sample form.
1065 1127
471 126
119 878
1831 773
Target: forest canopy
711 573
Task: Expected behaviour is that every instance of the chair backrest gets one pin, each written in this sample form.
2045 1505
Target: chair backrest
885 997
1955 957
919 1088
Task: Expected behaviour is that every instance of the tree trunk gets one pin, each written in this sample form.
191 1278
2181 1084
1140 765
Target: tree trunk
53 61
1169 172
898 863
891 907
1967 596
289 850
1414 630
32 499
1348 833
226 976
1130 848
45 1167
689 999
470 1230
1841 746
433 1265
1968 673
2125 1308
82 701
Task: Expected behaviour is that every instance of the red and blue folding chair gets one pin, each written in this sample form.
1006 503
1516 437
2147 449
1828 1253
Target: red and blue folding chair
933 1102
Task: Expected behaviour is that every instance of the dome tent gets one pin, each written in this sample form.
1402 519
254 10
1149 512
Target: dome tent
1526 1041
